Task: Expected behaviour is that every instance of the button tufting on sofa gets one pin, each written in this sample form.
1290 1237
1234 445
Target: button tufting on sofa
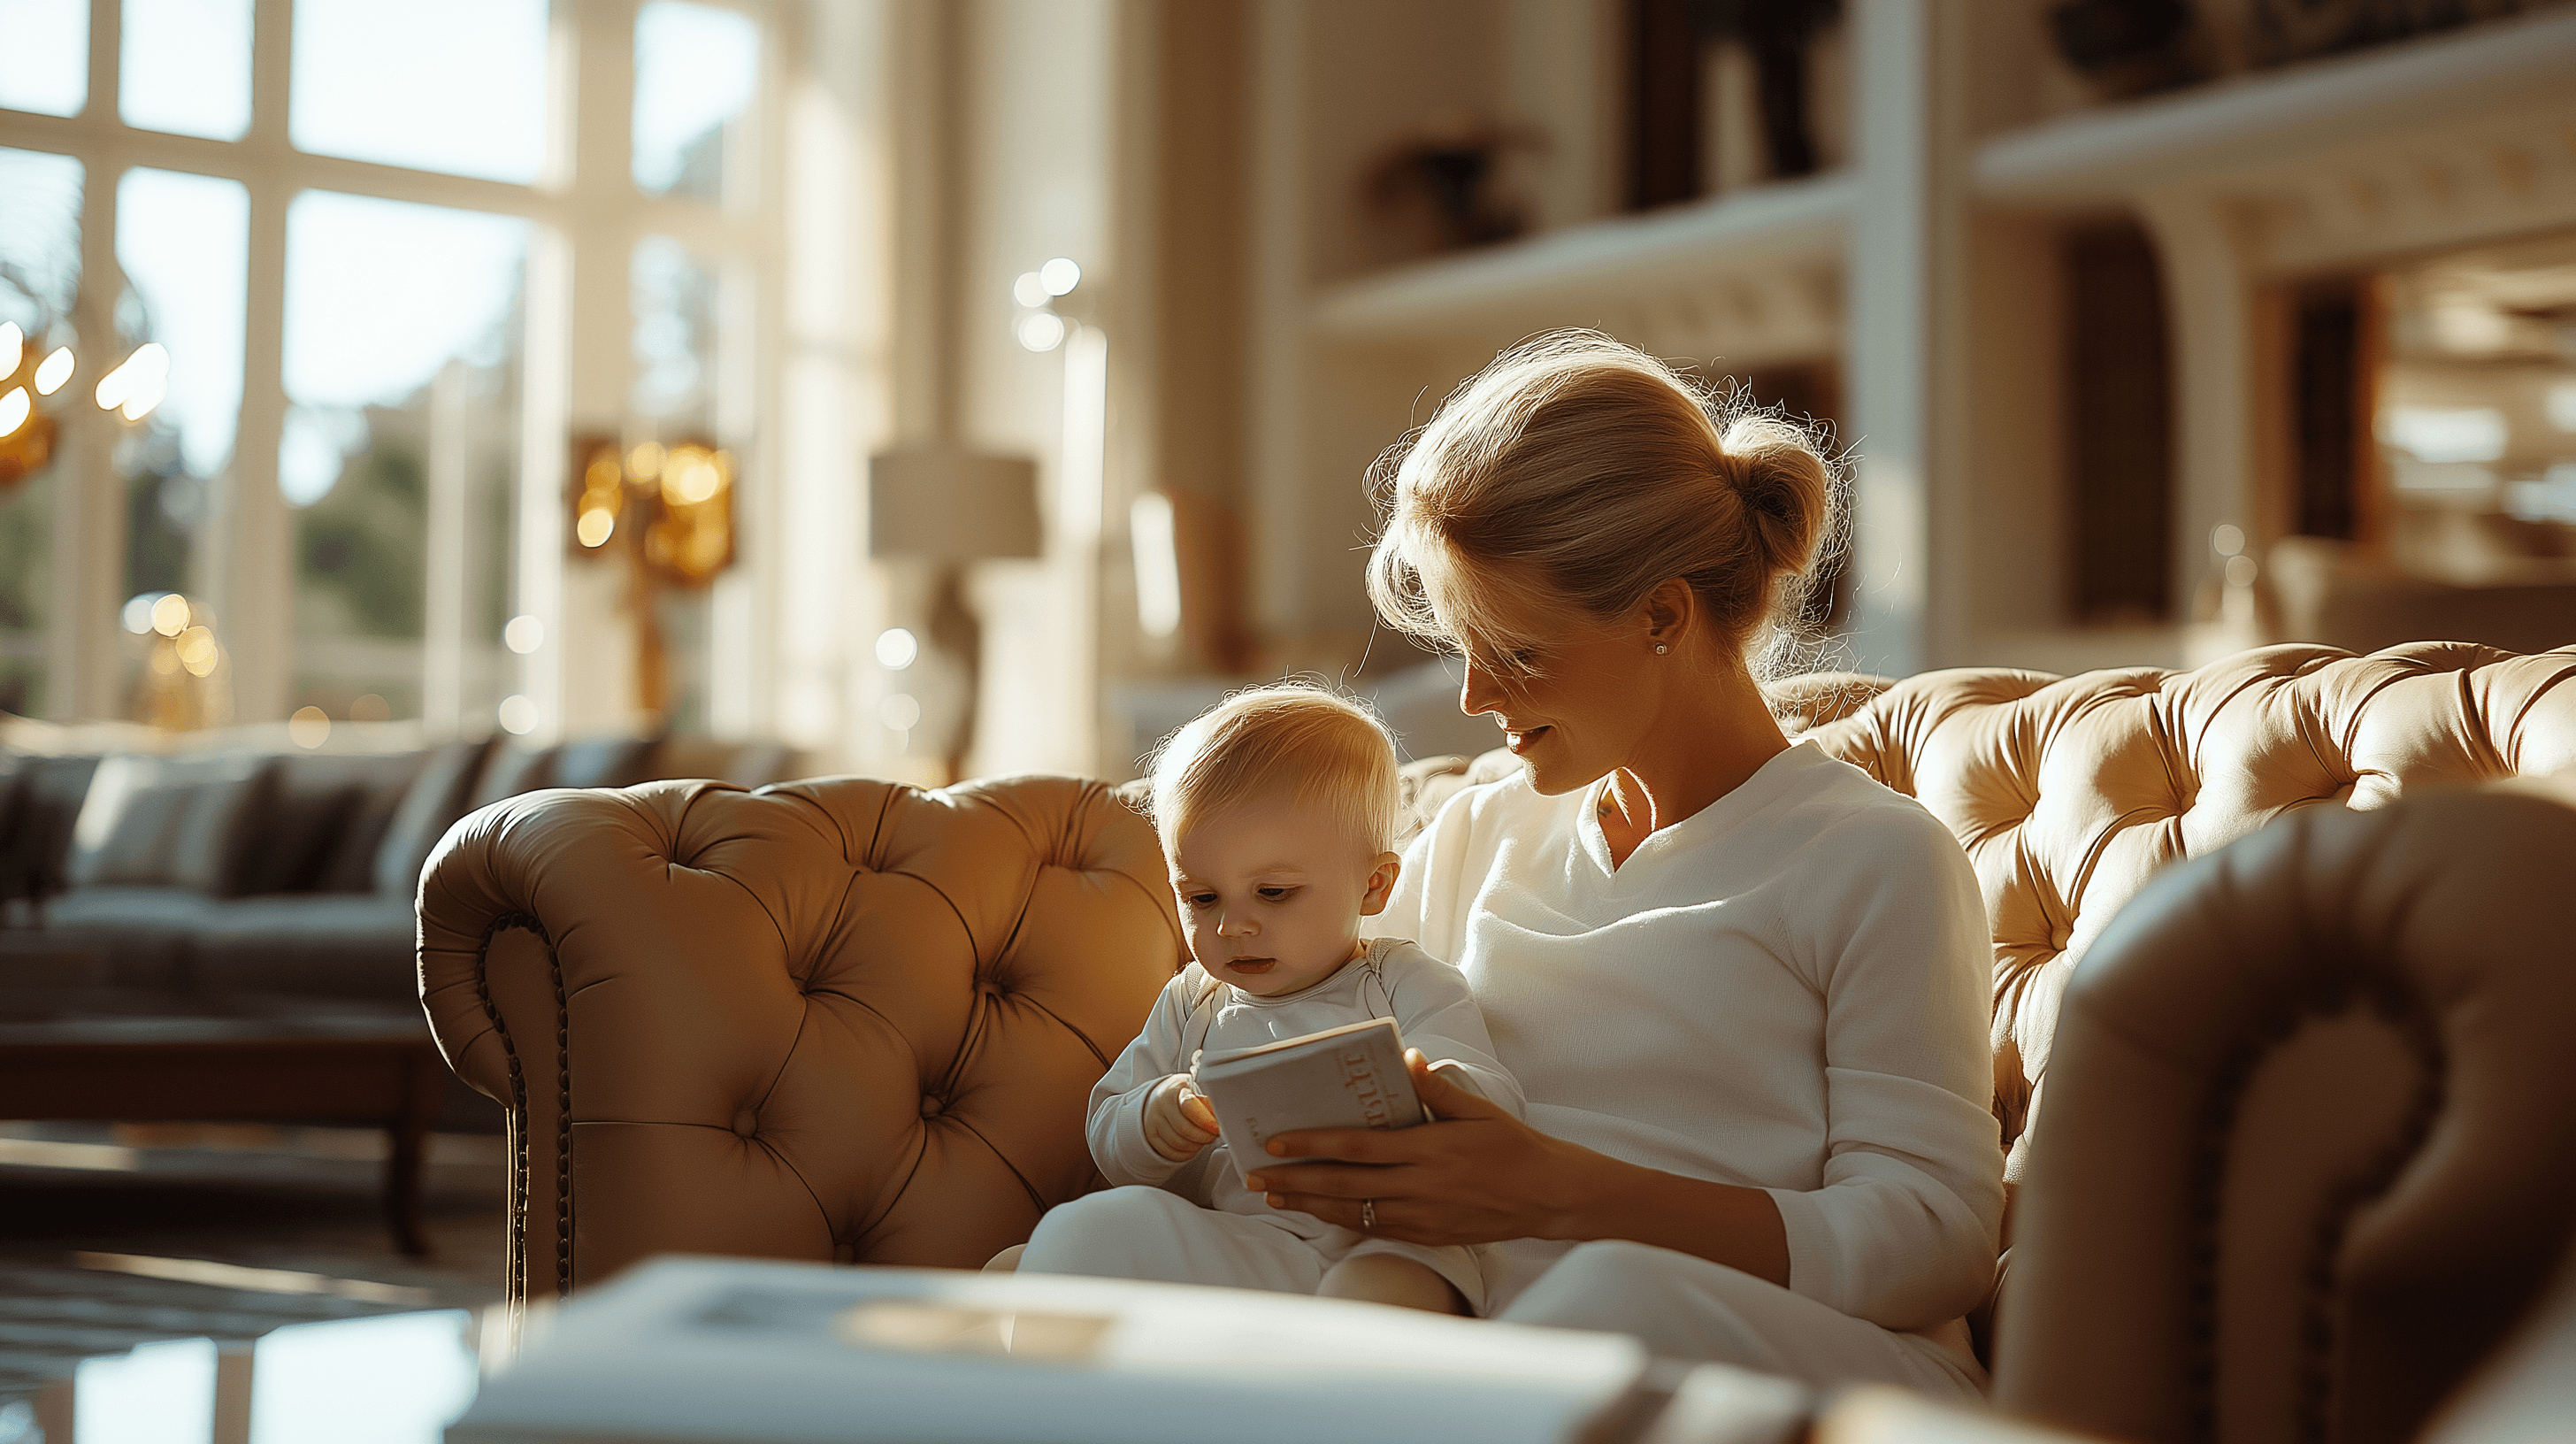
931 1107
745 1123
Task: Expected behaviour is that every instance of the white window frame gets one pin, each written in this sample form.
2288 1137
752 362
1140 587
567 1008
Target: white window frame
587 216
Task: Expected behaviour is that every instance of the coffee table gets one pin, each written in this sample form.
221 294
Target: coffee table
128 1055
390 1379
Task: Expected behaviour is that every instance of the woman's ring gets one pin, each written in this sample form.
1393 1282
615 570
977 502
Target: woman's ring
1368 1215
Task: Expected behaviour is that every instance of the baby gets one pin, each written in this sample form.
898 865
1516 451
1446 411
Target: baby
1276 810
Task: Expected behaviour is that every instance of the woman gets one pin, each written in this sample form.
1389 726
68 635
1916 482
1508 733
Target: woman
1743 985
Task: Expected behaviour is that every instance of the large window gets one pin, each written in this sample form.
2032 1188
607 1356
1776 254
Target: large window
333 298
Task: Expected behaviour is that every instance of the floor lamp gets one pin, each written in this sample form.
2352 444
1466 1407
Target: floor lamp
949 506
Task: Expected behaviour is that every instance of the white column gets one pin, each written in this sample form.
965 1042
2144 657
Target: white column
831 396
1081 521
1561 70
443 620
537 564
1901 344
2209 304
751 417
1275 473
582 677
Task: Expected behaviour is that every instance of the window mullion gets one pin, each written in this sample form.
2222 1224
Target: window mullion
85 661
250 551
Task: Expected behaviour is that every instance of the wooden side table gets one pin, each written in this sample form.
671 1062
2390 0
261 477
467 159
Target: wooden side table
135 1056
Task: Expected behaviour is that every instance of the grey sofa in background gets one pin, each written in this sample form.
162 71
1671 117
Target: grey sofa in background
238 871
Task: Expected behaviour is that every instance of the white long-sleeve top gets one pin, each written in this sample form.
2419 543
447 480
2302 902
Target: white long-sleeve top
1427 999
1786 990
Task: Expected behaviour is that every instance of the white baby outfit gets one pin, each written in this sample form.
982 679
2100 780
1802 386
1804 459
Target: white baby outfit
1288 1251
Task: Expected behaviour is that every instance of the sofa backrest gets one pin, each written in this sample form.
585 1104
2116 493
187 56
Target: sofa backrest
2070 793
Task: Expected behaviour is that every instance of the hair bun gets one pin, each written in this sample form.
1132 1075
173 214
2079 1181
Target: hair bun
1786 487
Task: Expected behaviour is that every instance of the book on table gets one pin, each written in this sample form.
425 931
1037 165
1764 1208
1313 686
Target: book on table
742 1351
1352 1076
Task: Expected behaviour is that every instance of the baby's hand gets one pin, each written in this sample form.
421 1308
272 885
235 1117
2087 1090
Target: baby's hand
1178 1120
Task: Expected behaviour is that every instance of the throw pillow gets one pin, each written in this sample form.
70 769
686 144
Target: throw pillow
50 804
168 821
603 762
326 819
512 770
436 798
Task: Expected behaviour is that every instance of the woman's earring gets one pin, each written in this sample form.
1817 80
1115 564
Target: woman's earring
1660 649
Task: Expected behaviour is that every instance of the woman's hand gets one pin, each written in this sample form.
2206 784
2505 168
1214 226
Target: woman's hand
1478 1175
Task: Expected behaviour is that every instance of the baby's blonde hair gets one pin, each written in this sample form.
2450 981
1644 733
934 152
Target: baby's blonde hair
1320 748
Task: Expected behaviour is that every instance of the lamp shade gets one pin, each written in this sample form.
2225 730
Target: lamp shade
944 503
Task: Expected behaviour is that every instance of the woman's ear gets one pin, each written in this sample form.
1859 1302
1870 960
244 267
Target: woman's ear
1383 871
1669 611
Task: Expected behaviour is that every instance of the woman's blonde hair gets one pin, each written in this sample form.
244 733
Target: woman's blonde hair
1319 748
1579 470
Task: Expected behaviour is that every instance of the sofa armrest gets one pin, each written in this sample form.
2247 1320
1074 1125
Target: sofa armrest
833 1020
2311 1133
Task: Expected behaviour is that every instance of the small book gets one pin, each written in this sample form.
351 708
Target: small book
1347 1077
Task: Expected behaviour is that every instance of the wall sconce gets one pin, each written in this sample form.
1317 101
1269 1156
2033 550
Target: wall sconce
668 510
673 505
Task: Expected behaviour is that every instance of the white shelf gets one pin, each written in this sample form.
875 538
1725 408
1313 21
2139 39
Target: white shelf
2264 121
1568 276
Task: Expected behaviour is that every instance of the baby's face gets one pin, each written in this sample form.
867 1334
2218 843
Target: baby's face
1272 894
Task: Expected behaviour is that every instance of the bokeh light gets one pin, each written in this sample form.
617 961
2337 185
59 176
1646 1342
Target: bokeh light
371 707
518 715
897 648
53 371
1028 290
1059 276
596 526
14 409
137 612
197 651
137 385
2227 539
13 348
1042 331
524 634
309 728
170 614
900 712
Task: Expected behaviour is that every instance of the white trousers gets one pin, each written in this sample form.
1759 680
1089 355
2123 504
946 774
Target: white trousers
1149 1233
1679 1306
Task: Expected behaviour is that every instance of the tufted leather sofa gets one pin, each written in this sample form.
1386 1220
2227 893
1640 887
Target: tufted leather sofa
848 1020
